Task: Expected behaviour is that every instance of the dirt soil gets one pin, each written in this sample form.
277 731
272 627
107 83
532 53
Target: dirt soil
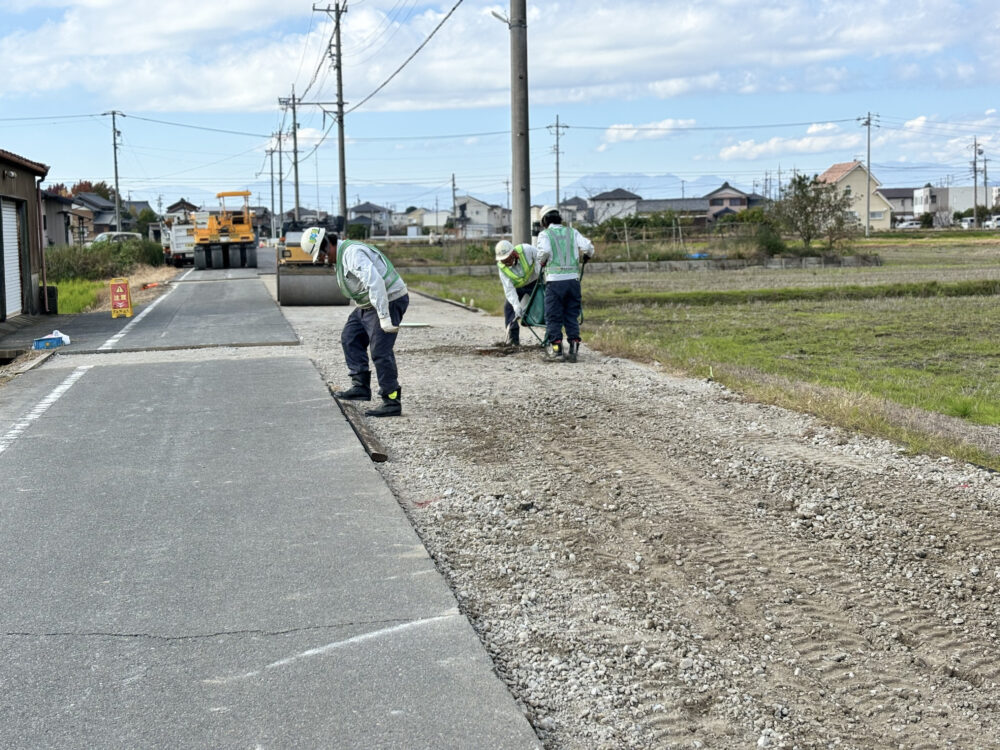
653 562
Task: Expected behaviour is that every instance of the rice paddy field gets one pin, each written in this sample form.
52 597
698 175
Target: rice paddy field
908 350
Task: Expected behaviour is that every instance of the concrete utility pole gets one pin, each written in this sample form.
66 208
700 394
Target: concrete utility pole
295 145
338 10
975 183
557 128
114 144
521 210
281 185
868 168
986 191
270 153
454 205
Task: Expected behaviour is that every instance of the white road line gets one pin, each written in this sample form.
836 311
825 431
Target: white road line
113 341
320 650
23 424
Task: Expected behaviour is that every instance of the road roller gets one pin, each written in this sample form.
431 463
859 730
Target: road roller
300 281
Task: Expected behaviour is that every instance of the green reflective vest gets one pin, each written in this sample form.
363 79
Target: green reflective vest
520 273
360 296
562 241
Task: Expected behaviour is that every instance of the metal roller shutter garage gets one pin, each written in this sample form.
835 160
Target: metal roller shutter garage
11 257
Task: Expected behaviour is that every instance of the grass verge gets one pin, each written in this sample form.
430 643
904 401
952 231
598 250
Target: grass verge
915 363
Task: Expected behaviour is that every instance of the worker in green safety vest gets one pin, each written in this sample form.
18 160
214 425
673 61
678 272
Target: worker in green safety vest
366 276
562 251
519 271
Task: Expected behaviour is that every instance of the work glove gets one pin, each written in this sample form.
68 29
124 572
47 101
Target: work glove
518 312
387 325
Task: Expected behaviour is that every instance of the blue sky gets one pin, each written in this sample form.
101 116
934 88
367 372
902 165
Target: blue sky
660 97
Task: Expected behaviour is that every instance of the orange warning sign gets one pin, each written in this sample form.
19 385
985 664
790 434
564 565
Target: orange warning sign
121 298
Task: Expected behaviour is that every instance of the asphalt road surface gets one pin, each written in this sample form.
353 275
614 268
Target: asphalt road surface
198 553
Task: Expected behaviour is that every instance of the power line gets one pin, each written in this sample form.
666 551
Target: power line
686 128
407 60
200 127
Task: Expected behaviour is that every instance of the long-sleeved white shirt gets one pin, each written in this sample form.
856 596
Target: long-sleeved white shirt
363 271
581 244
513 293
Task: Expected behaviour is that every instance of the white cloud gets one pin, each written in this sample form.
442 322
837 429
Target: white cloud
779 147
822 127
155 51
648 132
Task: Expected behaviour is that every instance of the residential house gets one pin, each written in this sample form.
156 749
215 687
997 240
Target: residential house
104 217
696 208
943 202
260 219
62 223
852 178
476 218
574 211
375 218
435 221
901 200
22 262
614 204
179 209
726 200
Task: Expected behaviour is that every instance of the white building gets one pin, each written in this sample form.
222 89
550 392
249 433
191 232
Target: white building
942 202
614 204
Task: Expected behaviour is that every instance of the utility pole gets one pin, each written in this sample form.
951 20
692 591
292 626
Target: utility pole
975 178
281 184
114 144
986 191
868 169
295 144
517 23
454 205
338 10
557 127
270 153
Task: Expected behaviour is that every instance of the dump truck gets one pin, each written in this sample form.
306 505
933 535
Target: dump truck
226 239
178 242
299 280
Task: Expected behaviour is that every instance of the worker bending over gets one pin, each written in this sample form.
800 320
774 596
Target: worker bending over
562 250
366 276
519 271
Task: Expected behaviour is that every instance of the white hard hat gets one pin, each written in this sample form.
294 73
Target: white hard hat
503 249
546 210
312 241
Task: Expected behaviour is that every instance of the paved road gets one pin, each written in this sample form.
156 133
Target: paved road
198 553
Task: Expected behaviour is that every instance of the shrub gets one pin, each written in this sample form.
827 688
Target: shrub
102 260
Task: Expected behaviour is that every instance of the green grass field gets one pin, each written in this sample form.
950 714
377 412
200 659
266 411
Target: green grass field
863 348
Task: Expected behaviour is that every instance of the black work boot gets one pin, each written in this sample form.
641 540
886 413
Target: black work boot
554 352
574 348
360 389
391 406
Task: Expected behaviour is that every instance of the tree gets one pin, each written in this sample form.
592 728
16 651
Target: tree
146 217
812 209
101 188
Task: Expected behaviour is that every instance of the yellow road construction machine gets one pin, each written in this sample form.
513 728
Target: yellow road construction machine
225 239
300 281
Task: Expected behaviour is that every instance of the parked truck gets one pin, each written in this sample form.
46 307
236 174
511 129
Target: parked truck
299 280
177 238
225 239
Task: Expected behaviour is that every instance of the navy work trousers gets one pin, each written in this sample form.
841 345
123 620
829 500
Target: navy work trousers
363 334
563 306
